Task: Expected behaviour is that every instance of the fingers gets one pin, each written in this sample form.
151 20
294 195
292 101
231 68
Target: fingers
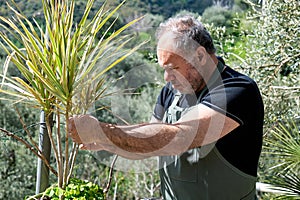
83 147
71 125
91 147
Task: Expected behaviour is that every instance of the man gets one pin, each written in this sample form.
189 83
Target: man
206 127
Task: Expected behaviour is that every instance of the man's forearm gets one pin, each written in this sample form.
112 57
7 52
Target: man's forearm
144 139
154 139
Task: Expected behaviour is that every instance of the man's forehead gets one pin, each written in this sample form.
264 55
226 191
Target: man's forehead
167 58
166 42
167 47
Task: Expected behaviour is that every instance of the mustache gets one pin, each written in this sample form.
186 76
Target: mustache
175 83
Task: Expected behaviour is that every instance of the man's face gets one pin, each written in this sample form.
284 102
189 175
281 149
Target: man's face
184 76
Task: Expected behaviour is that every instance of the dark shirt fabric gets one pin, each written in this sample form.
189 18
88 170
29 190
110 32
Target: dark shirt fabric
236 96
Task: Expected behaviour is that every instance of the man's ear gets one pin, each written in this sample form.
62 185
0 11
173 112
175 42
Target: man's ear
202 55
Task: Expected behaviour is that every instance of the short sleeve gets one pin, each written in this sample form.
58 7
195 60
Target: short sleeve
234 98
164 100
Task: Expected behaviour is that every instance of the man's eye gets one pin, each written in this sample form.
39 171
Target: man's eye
173 67
170 69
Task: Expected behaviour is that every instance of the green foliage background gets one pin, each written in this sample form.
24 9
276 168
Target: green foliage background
259 39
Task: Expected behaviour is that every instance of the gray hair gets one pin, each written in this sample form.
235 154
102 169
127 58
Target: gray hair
187 28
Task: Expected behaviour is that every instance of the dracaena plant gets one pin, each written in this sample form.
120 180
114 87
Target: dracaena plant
63 64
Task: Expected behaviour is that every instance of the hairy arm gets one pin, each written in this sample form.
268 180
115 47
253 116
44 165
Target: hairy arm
200 126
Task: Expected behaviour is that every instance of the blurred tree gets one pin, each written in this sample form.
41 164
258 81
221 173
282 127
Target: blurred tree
274 56
17 164
134 92
218 15
17 170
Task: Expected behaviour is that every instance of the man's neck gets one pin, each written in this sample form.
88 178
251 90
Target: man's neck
214 58
212 66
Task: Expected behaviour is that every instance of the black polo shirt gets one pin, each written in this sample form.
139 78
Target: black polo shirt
236 96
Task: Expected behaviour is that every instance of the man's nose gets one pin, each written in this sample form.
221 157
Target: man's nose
169 76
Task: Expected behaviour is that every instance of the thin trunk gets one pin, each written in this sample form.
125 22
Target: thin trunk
56 153
73 155
59 148
66 162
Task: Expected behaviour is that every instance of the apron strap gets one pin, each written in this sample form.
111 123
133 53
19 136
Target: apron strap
173 113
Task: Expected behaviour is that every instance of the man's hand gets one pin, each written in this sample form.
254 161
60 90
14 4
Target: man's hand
86 130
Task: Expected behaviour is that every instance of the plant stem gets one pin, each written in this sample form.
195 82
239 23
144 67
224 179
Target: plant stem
49 130
59 149
27 132
105 190
66 162
72 159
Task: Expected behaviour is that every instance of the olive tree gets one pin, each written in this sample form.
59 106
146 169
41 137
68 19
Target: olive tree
273 59
267 49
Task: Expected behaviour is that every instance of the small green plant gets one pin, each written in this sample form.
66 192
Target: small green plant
76 190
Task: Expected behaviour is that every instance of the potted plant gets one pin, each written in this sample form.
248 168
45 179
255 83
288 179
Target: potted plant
63 69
